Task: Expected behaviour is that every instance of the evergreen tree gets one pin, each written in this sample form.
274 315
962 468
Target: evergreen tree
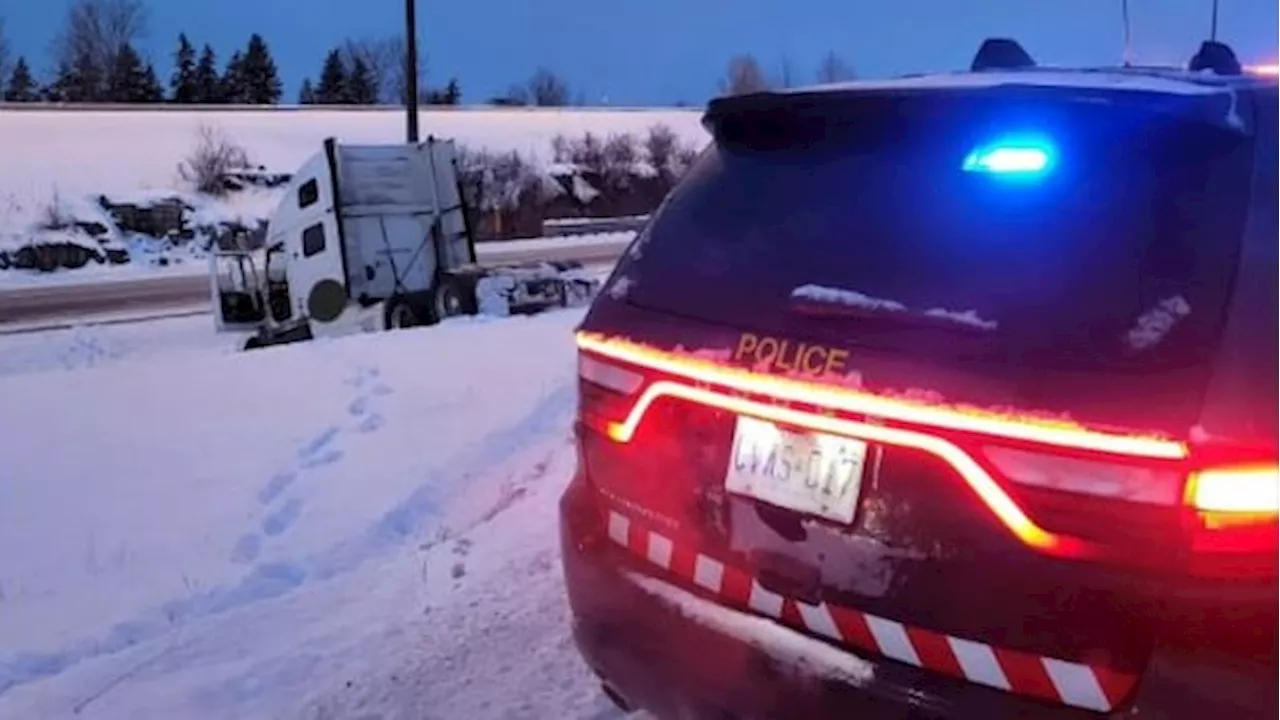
131 81
452 92
232 83
332 89
307 93
56 90
260 81
183 83
362 87
77 81
151 90
21 87
450 95
208 86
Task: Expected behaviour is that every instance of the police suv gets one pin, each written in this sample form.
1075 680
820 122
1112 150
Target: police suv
944 396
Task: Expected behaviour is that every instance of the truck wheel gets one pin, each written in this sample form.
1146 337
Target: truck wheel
399 314
451 300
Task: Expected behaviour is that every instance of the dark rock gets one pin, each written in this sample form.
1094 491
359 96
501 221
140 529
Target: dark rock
96 229
156 220
48 257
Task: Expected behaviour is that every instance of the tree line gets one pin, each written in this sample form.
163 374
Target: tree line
95 58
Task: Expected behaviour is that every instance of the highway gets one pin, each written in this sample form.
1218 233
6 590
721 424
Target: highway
30 307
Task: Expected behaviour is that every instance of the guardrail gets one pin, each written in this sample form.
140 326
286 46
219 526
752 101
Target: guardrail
568 227
32 303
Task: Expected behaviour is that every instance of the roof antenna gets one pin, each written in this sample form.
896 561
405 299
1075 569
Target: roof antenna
1213 23
1127 58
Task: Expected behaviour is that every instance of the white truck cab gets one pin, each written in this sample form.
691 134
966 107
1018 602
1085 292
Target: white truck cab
366 238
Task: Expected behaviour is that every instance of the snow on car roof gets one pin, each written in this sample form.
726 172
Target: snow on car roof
1170 81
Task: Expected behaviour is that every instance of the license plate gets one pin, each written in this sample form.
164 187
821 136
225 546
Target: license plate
809 472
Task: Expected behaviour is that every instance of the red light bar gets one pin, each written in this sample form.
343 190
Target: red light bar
987 489
1043 431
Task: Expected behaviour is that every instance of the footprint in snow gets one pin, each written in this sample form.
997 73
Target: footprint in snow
282 519
328 457
359 406
276 485
363 375
319 442
371 423
247 549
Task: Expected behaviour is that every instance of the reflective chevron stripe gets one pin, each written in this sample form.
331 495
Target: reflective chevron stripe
1068 683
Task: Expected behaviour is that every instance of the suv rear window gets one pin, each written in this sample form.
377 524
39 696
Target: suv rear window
854 220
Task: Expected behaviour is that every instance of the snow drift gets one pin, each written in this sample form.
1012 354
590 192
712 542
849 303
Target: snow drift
352 528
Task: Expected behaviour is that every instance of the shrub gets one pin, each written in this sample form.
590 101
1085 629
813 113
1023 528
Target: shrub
214 156
497 181
661 144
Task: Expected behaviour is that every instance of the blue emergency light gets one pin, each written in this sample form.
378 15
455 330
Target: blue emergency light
1012 157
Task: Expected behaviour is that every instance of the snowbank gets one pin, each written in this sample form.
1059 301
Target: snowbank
86 153
354 528
97 187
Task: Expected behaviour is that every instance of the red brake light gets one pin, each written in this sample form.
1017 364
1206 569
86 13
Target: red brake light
1052 484
1250 490
1236 530
605 393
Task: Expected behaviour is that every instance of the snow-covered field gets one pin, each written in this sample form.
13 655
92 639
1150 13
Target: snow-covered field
356 528
81 154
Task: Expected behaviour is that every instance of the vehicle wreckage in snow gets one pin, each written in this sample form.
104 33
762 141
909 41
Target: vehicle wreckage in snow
375 237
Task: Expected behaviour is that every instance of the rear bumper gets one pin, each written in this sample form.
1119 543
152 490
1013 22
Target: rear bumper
679 655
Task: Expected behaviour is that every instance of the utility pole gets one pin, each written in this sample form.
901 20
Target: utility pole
411 71
1127 58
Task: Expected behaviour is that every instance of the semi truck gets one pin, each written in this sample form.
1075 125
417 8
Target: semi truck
369 238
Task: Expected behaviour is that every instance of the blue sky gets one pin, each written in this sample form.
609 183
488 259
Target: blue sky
659 52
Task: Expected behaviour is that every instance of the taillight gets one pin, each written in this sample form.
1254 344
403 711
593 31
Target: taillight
606 392
1235 531
1131 510
1249 491
1060 488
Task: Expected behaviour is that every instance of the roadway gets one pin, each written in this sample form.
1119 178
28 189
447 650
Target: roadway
25 308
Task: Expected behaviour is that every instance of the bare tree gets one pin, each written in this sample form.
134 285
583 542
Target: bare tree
4 56
743 76
547 89
387 59
786 73
833 68
214 155
95 30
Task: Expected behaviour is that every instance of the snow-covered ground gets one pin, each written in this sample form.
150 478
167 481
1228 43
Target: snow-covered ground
80 154
355 528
